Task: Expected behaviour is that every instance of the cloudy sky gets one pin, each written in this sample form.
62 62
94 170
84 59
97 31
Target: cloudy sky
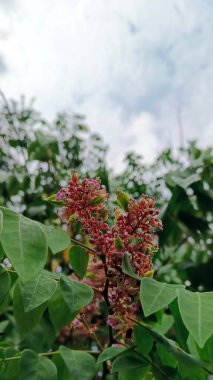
138 69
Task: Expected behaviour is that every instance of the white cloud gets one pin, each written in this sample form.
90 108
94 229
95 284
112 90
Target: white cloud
129 66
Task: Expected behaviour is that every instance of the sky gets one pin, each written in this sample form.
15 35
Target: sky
141 71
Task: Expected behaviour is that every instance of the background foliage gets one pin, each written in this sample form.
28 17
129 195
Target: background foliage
35 160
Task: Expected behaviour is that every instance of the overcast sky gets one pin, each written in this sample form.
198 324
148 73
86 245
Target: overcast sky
138 69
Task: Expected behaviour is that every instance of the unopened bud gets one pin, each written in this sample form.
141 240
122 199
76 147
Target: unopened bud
149 273
96 200
74 176
119 244
123 199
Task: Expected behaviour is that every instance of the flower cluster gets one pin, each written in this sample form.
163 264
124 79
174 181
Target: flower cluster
84 202
133 233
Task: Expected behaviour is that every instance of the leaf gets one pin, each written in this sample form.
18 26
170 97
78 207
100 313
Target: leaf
80 364
57 239
167 359
75 294
180 329
4 284
79 260
127 267
142 339
180 355
63 373
156 295
24 243
25 321
11 369
128 360
164 325
110 353
37 290
134 373
59 312
36 367
196 310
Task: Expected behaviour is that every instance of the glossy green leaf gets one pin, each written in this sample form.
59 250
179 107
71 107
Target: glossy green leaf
79 260
59 311
37 290
24 243
75 294
196 310
57 239
25 321
110 353
127 267
81 365
4 283
156 295
36 367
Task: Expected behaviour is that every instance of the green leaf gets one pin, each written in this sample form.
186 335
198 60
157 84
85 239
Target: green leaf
134 373
57 239
63 373
75 294
196 310
36 367
25 321
80 364
156 295
59 312
4 284
179 354
164 325
180 329
2 253
127 267
167 359
128 360
110 353
11 369
79 260
24 243
142 339
37 290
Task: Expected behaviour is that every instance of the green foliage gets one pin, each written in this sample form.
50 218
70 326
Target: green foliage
80 364
173 336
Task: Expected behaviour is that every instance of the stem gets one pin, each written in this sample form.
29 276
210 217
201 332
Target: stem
93 333
83 245
106 298
9 270
47 354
